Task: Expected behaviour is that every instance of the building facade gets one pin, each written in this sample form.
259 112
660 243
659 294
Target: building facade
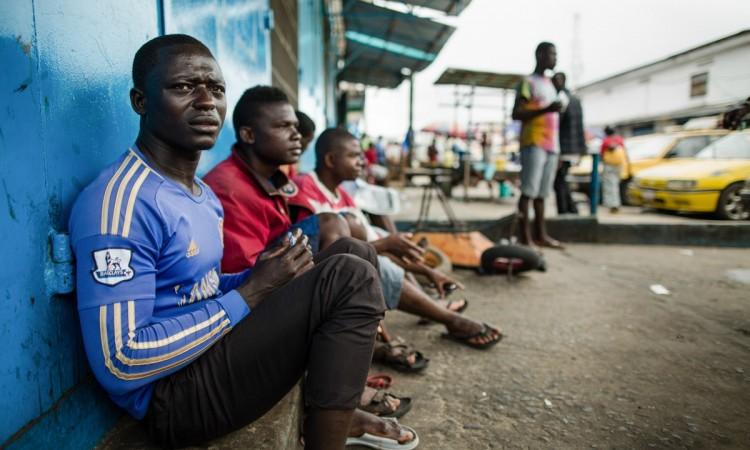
695 83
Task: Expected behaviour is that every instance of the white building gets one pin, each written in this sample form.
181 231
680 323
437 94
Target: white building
698 82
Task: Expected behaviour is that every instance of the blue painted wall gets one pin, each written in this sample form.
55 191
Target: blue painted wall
64 114
236 33
311 60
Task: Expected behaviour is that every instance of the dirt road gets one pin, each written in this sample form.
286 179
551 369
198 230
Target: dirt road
594 359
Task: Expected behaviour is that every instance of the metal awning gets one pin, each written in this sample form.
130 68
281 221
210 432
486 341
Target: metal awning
381 42
480 79
450 7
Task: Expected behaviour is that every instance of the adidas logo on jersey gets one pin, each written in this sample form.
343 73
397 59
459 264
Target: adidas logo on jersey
192 249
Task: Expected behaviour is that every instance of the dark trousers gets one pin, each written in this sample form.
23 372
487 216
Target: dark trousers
322 323
565 203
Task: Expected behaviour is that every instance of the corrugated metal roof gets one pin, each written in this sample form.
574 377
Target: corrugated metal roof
478 78
450 7
381 42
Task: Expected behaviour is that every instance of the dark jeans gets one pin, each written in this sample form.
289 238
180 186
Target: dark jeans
565 203
322 323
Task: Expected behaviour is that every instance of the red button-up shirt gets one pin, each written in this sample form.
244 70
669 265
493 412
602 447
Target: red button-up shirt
255 209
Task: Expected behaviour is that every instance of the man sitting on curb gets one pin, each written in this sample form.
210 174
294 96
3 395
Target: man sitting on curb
339 158
306 128
194 353
253 192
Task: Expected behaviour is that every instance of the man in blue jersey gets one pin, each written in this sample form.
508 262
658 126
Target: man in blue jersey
193 352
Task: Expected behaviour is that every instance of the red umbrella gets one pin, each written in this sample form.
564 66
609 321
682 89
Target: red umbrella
446 129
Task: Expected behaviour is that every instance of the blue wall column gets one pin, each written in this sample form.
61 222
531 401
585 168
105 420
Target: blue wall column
312 82
66 113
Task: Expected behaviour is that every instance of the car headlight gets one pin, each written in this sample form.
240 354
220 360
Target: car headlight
681 184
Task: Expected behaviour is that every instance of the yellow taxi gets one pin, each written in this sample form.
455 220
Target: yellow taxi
647 151
650 150
710 181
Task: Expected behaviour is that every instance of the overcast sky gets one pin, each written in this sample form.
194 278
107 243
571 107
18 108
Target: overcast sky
500 36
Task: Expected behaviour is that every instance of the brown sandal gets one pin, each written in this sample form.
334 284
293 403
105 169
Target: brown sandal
375 401
396 354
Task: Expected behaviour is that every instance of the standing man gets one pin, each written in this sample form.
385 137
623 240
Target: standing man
572 144
537 108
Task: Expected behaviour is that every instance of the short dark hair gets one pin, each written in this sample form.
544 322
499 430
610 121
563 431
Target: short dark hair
543 47
328 141
306 125
147 57
560 74
252 99
609 131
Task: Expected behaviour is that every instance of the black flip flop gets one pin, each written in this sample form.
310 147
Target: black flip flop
466 340
420 364
400 364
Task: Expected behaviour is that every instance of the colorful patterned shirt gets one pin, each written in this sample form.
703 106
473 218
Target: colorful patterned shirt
541 131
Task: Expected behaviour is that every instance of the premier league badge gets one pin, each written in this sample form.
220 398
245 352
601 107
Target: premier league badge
112 266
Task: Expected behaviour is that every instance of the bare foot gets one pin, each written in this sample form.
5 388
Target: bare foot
364 422
549 243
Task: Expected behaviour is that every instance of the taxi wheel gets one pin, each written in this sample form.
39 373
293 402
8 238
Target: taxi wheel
730 204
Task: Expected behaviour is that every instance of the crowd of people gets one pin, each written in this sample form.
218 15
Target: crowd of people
203 302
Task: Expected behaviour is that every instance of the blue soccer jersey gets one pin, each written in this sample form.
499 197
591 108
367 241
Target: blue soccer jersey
151 296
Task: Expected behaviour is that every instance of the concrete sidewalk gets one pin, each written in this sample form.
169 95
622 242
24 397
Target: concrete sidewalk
481 207
592 358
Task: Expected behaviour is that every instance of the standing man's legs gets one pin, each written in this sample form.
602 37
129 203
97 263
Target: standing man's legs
560 189
549 168
532 166
565 204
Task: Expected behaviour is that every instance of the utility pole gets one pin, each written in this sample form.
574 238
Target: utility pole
576 69
410 131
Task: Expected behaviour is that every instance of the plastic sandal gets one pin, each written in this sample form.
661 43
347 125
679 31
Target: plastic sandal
384 354
466 340
377 403
379 381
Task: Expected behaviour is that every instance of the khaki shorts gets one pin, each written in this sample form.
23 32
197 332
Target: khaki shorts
538 169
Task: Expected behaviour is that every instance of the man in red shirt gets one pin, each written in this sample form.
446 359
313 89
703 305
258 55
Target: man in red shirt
253 192
339 158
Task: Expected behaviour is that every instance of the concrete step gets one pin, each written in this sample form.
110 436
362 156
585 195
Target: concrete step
278 429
